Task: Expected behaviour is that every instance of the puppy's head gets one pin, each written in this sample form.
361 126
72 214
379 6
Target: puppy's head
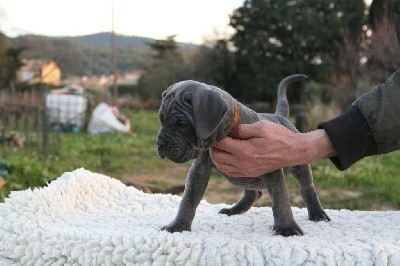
190 114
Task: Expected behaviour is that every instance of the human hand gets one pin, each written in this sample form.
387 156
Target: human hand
263 147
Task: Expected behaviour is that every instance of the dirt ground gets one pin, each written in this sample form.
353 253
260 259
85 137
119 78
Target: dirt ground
219 190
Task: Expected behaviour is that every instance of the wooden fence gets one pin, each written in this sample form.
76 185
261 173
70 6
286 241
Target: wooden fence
23 121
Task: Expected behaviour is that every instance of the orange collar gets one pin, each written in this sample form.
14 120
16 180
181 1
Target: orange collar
236 115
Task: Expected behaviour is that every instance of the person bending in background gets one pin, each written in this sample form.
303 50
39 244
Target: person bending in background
370 126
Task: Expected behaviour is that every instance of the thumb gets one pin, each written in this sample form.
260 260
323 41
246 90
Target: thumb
247 131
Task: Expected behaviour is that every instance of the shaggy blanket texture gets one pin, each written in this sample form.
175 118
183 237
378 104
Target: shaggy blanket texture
88 218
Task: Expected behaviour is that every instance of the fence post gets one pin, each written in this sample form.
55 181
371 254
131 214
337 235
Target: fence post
3 123
44 129
26 123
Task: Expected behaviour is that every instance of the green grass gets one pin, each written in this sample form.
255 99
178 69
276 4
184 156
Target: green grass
372 183
113 154
375 180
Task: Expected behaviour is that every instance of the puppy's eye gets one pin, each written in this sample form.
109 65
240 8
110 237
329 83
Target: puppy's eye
182 124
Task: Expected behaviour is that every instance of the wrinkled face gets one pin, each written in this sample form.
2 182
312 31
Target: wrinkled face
177 138
190 114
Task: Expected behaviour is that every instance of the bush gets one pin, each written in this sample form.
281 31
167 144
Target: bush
125 90
25 172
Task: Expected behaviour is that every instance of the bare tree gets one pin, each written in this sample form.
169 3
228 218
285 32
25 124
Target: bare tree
383 51
343 81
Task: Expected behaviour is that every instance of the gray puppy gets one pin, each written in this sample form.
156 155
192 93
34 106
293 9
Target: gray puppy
194 116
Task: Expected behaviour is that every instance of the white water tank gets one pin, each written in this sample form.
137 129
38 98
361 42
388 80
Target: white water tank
66 109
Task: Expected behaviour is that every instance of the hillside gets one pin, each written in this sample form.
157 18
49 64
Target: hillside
104 38
89 54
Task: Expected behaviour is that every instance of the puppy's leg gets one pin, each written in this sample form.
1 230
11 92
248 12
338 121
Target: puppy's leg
284 223
304 175
244 204
196 184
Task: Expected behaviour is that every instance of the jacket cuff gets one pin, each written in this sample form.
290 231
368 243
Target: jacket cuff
351 138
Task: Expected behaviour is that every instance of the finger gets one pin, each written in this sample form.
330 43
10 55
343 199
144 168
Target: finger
223 161
222 157
227 163
229 170
247 131
229 145
214 153
235 174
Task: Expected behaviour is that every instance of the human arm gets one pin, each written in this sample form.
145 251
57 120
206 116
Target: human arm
264 146
370 126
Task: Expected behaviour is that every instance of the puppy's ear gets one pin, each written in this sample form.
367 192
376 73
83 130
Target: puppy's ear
209 110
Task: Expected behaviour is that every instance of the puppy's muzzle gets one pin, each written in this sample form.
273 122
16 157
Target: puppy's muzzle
167 150
161 145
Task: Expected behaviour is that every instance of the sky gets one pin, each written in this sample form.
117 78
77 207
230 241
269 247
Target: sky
193 21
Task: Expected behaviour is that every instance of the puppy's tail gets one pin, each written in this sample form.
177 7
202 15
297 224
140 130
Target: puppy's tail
282 104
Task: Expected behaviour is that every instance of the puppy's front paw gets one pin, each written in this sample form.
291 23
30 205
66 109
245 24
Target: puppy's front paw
290 230
318 216
176 227
228 211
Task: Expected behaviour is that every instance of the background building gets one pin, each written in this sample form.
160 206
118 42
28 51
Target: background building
39 71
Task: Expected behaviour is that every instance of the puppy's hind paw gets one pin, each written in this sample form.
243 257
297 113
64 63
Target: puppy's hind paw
229 211
319 216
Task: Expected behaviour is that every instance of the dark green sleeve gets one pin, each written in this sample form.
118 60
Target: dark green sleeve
381 110
371 125
351 138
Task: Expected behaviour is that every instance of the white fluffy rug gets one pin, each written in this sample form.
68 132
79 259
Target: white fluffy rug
88 218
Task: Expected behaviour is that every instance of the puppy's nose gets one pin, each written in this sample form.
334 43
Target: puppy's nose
161 143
